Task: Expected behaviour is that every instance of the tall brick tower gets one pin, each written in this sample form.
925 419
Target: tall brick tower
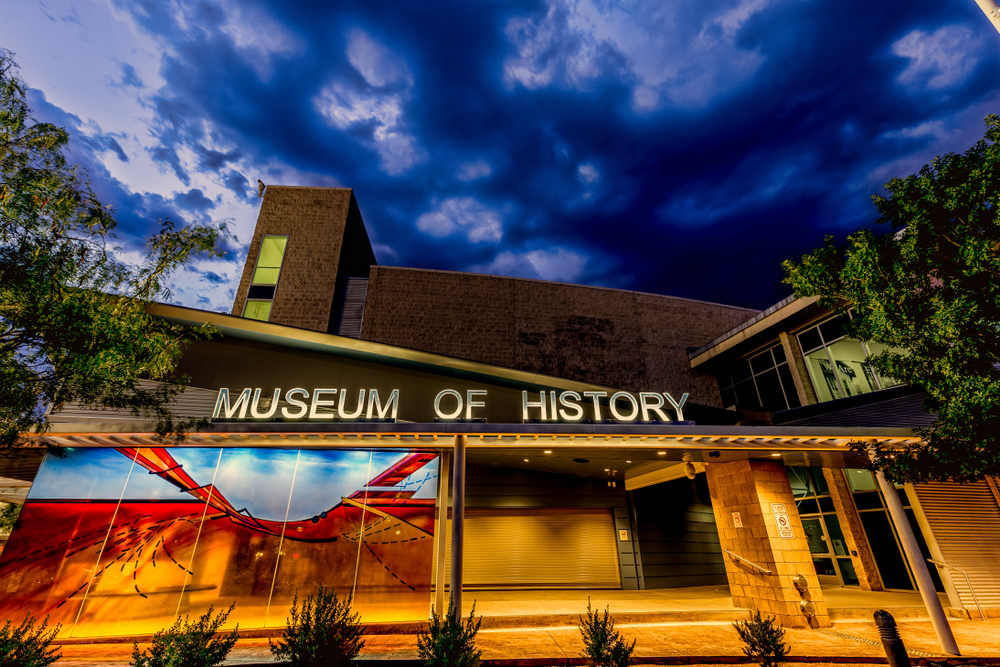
308 261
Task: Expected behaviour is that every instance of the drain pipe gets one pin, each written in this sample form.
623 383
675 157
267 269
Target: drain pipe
924 582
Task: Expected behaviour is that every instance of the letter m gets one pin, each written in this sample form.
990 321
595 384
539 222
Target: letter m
227 411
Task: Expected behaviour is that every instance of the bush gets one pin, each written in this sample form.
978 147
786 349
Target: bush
26 645
450 642
324 632
603 646
762 640
187 644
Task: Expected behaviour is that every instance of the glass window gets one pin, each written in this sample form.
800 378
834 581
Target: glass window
257 310
824 378
860 479
762 381
849 362
878 348
272 251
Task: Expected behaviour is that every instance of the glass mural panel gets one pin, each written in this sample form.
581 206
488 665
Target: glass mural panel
121 541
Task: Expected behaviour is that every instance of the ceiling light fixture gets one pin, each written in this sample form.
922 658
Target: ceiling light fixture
660 453
548 451
525 460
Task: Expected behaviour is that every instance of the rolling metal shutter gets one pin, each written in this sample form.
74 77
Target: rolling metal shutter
349 307
965 520
539 548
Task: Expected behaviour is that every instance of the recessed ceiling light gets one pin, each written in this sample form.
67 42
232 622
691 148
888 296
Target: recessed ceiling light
607 470
548 451
628 462
776 454
660 453
525 460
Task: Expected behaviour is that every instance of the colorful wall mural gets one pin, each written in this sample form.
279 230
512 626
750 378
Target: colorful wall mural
122 541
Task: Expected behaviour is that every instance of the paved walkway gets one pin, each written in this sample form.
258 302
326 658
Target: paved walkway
846 638
669 622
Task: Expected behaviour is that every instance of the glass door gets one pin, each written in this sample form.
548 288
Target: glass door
822 551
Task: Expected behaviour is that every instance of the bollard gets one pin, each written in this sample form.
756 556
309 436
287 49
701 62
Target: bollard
893 645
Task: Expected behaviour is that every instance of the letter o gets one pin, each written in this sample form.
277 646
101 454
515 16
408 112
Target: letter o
437 404
614 408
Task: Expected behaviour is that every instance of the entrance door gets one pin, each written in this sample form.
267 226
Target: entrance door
821 548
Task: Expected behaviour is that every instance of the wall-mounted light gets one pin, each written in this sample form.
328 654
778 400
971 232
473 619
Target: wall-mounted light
689 469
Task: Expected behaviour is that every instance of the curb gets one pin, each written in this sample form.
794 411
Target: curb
672 660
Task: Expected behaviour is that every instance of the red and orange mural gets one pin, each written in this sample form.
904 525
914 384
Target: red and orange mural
122 541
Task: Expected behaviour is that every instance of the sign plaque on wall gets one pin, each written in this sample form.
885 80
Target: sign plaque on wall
737 520
623 535
781 519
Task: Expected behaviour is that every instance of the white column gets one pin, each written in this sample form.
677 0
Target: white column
441 536
924 582
458 523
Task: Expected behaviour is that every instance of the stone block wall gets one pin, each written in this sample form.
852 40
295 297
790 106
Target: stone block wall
751 488
314 219
621 339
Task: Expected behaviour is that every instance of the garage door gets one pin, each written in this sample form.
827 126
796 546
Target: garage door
539 548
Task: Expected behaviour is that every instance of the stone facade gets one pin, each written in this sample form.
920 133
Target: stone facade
315 221
751 488
621 339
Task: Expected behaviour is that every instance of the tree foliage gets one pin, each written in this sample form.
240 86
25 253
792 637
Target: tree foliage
603 646
189 643
929 286
25 645
322 633
73 322
449 640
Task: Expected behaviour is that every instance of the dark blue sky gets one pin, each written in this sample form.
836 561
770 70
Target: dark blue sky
682 147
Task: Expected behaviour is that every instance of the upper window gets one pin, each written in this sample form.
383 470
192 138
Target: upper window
272 251
837 364
760 381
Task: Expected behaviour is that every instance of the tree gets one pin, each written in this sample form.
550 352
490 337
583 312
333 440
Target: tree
930 288
73 322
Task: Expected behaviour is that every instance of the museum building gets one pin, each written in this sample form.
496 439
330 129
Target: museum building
364 418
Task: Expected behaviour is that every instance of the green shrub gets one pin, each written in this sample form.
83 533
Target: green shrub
189 644
449 641
603 646
26 645
762 640
324 632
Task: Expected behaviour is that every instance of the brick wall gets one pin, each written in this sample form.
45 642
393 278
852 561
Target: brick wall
616 338
314 220
751 488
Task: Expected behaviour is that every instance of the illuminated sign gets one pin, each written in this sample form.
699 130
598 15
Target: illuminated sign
565 406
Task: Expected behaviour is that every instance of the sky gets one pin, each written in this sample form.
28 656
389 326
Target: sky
681 147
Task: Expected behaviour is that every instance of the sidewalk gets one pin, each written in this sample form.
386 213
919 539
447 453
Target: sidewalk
846 639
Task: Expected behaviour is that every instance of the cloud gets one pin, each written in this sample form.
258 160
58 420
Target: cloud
463 214
941 59
374 112
194 201
675 53
557 264
587 173
473 171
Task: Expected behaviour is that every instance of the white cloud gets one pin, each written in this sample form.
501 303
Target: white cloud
666 57
587 173
375 62
258 36
940 59
557 264
463 214
472 171
382 106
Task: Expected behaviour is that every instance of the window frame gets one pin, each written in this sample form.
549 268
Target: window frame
825 345
256 263
769 349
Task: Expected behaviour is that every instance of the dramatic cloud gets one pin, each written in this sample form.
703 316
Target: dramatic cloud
681 148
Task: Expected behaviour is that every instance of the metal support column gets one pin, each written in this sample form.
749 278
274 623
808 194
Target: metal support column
457 523
919 567
441 537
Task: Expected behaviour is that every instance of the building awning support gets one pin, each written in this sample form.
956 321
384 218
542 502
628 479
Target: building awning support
441 537
924 582
457 524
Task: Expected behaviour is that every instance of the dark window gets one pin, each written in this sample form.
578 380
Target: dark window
762 362
833 329
789 384
779 354
810 340
740 371
746 395
769 388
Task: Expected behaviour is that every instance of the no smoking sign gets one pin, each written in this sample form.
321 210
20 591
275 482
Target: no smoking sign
781 519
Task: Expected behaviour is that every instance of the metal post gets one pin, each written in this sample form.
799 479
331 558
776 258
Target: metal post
891 641
924 582
457 524
441 537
